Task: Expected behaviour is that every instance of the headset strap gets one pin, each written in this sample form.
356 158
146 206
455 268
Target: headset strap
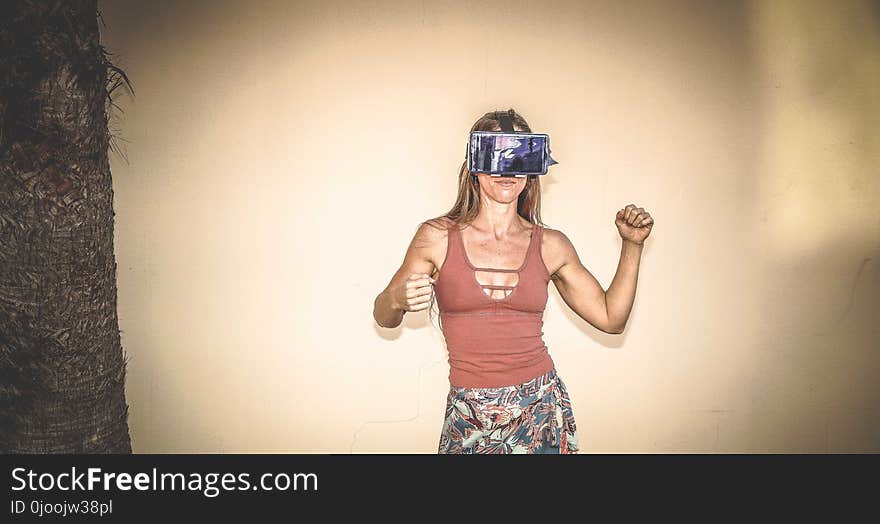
506 121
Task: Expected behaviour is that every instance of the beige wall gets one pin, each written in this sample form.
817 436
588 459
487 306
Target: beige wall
248 263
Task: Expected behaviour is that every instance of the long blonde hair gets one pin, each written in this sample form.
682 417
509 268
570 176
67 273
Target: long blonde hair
467 202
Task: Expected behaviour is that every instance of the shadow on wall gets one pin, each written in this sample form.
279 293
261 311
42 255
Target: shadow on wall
814 384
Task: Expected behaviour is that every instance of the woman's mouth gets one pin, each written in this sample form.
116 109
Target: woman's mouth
506 183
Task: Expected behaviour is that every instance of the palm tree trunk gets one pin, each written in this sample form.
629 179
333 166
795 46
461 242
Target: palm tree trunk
62 366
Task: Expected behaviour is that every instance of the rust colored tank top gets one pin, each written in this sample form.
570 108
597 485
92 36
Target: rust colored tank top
493 342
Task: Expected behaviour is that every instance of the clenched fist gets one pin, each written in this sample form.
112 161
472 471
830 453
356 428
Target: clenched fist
415 294
634 224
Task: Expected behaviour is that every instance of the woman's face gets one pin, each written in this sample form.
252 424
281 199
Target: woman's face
503 189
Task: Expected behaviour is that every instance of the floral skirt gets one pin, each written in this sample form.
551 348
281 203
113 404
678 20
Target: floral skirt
532 417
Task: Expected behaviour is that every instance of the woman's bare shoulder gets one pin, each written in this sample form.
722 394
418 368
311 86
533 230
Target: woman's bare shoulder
432 233
432 238
557 249
555 238
436 228
441 222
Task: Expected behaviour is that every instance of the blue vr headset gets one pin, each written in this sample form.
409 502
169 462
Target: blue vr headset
508 153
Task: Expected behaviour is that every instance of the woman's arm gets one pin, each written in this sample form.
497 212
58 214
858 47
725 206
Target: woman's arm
634 225
622 292
606 311
578 287
410 288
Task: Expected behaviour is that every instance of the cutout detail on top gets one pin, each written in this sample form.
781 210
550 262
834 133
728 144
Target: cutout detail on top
496 285
495 289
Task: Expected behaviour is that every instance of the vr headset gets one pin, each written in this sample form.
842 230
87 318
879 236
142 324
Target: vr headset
508 153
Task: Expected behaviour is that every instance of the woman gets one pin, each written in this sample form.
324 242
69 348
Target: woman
489 260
